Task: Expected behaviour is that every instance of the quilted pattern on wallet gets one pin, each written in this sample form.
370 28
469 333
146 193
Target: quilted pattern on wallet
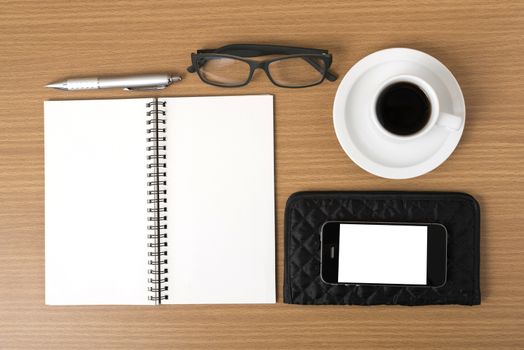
307 211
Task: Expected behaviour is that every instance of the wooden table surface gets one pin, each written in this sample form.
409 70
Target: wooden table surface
482 42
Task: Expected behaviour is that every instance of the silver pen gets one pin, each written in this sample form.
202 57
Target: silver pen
131 82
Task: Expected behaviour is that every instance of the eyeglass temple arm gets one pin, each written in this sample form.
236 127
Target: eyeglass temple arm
250 50
253 50
329 76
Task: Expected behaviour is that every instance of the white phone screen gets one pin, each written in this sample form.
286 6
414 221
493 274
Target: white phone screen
383 254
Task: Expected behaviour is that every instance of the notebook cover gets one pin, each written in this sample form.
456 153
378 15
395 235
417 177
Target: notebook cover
307 211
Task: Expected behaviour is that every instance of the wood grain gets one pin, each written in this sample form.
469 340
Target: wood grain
480 41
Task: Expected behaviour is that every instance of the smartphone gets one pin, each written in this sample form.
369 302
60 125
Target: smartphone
396 254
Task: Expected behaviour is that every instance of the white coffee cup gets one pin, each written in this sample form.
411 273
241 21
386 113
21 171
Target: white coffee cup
437 118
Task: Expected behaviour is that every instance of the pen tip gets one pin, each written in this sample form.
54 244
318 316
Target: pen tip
175 78
61 85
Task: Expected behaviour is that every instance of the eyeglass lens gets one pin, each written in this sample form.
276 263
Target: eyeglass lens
224 70
297 71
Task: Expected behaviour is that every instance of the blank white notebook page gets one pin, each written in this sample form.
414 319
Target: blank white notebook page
220 190
95 202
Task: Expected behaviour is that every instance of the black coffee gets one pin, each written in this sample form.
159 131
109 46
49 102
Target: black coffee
403 108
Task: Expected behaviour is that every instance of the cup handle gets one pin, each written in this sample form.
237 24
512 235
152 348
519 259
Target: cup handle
450 121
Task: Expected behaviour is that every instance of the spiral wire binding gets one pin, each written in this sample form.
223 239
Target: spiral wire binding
157 201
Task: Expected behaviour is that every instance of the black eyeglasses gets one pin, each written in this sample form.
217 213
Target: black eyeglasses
228 67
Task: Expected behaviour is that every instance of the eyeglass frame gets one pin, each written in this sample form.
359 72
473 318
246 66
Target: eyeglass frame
240 51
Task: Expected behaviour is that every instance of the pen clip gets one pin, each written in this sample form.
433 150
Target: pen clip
170 80
160 87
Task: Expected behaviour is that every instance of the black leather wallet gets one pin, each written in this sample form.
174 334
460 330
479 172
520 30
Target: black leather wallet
307 211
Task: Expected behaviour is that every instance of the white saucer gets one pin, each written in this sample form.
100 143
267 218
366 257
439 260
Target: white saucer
365 144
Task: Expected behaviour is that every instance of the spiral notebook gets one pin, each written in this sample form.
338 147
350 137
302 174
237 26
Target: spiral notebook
159 201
